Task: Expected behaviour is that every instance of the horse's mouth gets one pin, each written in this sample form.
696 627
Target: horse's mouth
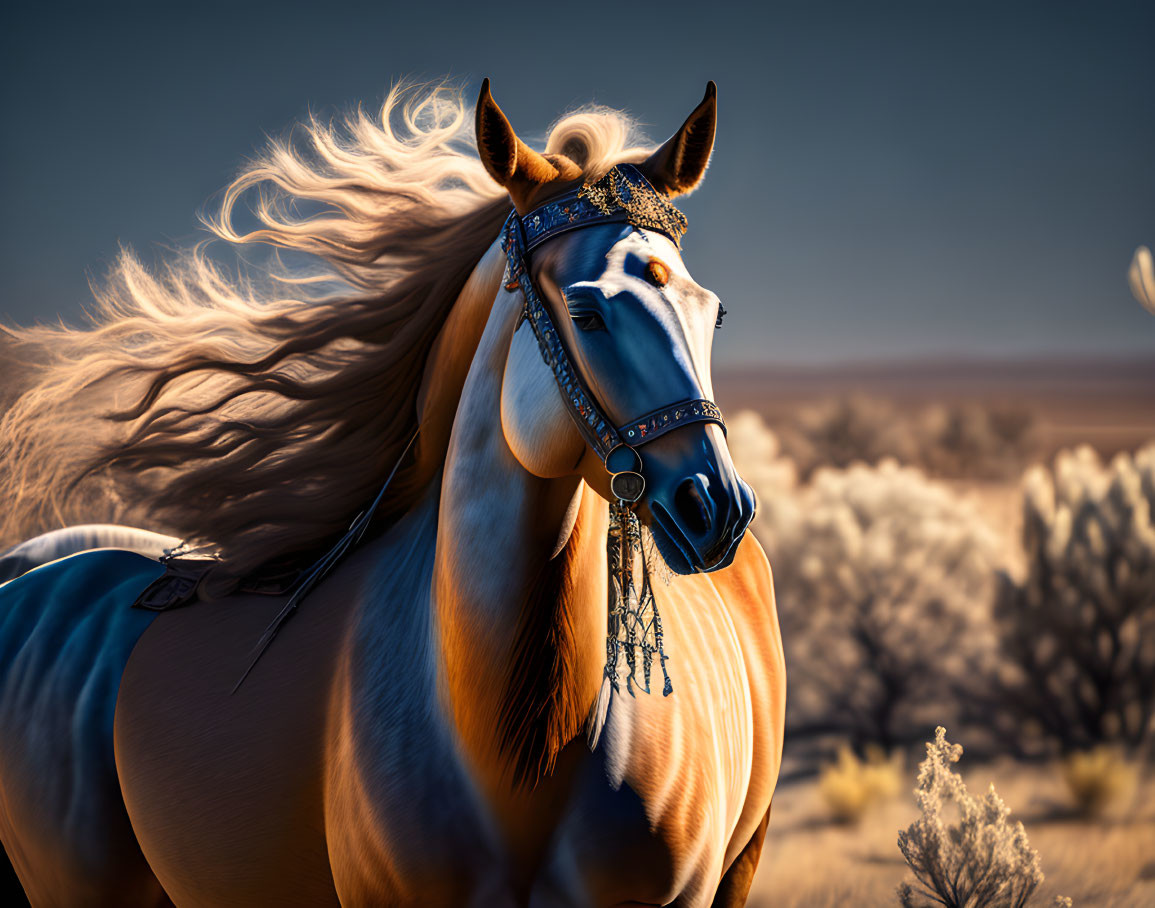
680 555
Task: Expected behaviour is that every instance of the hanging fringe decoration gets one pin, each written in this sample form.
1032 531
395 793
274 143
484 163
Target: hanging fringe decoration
634 625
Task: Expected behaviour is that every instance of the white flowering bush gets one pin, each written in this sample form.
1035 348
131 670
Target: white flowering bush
975 441
757 454
884 581
1078 631
981 860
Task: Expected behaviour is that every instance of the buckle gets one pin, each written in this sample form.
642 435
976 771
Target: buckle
625 467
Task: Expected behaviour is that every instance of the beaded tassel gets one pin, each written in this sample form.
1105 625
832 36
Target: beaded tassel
634 626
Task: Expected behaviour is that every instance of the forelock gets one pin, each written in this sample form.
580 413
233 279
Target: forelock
596 138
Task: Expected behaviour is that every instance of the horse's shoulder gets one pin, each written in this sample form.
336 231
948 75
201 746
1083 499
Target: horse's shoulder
747 590
740 599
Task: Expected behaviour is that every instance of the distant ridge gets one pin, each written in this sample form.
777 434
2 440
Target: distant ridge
952 377
1107 402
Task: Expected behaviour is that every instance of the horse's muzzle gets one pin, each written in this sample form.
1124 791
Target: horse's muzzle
699 508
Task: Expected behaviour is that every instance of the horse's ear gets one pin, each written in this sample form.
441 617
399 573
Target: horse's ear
679 165
511 162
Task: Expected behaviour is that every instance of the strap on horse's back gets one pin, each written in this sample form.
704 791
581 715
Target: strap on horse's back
180 584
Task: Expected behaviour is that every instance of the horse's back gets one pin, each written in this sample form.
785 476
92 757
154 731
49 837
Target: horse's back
224 784
71 540
66 631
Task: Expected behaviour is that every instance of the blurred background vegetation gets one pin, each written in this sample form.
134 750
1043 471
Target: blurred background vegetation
969 545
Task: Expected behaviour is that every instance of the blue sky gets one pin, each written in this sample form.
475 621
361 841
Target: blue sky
895 180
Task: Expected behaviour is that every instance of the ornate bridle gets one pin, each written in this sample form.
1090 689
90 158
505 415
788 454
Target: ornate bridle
622 196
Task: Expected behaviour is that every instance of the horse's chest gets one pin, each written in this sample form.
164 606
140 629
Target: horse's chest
646 817
656 810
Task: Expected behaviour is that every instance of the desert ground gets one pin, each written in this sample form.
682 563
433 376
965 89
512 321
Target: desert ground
811 862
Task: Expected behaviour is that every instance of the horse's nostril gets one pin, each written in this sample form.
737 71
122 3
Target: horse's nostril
691 508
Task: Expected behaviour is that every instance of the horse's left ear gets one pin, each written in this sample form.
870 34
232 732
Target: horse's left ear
679 165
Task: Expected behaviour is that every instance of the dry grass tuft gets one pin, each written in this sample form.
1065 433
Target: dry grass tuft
1098 778
850 787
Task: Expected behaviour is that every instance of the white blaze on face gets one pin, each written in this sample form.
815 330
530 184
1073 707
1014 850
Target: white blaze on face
685 309
654 351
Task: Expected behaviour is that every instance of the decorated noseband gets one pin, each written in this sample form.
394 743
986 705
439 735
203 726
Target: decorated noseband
622 196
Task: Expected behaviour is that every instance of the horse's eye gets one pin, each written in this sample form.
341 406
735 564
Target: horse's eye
588 321
721 315
657 273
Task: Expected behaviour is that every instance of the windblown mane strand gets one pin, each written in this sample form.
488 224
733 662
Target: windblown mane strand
254 422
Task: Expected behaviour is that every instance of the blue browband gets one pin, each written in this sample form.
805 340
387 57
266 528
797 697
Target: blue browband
622 196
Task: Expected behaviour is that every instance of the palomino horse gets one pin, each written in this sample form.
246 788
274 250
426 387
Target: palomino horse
417 733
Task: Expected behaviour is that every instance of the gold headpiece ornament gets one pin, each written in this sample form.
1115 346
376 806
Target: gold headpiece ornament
643 205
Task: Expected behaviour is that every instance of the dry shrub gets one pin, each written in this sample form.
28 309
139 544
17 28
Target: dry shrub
847 430
973 441
1141 276
757 453
884 582
850 786
980 860
957 440
1078 631
1097 778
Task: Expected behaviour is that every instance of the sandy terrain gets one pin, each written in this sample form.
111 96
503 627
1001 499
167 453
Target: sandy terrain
809 862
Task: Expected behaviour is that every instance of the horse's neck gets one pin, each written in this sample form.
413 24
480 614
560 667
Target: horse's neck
519 588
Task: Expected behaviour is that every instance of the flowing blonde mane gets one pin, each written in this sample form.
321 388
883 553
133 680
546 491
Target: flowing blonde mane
256 415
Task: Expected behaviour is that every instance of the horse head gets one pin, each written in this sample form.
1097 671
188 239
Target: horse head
612 373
